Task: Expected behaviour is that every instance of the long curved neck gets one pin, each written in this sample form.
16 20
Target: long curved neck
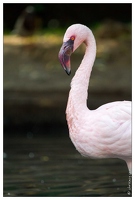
80 82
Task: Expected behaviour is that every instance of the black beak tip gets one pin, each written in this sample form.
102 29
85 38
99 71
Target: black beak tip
68 72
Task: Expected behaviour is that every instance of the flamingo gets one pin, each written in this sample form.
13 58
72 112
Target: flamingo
106 131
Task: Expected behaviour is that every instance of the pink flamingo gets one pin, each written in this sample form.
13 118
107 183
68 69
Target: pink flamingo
106 131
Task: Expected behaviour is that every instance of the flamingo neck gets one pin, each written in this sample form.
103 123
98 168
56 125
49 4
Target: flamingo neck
80 82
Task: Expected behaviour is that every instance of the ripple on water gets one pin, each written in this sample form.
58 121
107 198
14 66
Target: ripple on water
50 166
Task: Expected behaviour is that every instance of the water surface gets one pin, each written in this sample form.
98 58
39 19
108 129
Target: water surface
48 165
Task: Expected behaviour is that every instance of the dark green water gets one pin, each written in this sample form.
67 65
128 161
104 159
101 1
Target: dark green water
48 165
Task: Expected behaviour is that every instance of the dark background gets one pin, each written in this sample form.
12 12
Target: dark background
23 95
70 13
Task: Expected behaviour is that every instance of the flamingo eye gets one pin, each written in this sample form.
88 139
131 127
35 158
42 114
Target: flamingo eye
72 38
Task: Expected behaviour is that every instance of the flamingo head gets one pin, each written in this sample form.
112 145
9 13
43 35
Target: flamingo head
73 37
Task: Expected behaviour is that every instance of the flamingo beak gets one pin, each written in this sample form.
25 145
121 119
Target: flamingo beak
64 55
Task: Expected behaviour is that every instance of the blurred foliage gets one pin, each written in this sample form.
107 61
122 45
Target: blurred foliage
57 15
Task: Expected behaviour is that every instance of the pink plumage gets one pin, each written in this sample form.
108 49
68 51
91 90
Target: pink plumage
106 131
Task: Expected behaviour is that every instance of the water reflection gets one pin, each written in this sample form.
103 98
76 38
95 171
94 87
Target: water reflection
49 165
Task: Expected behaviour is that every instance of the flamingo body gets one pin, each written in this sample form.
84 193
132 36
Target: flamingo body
106 131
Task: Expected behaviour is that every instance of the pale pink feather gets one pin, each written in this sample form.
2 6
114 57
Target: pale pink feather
106 131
